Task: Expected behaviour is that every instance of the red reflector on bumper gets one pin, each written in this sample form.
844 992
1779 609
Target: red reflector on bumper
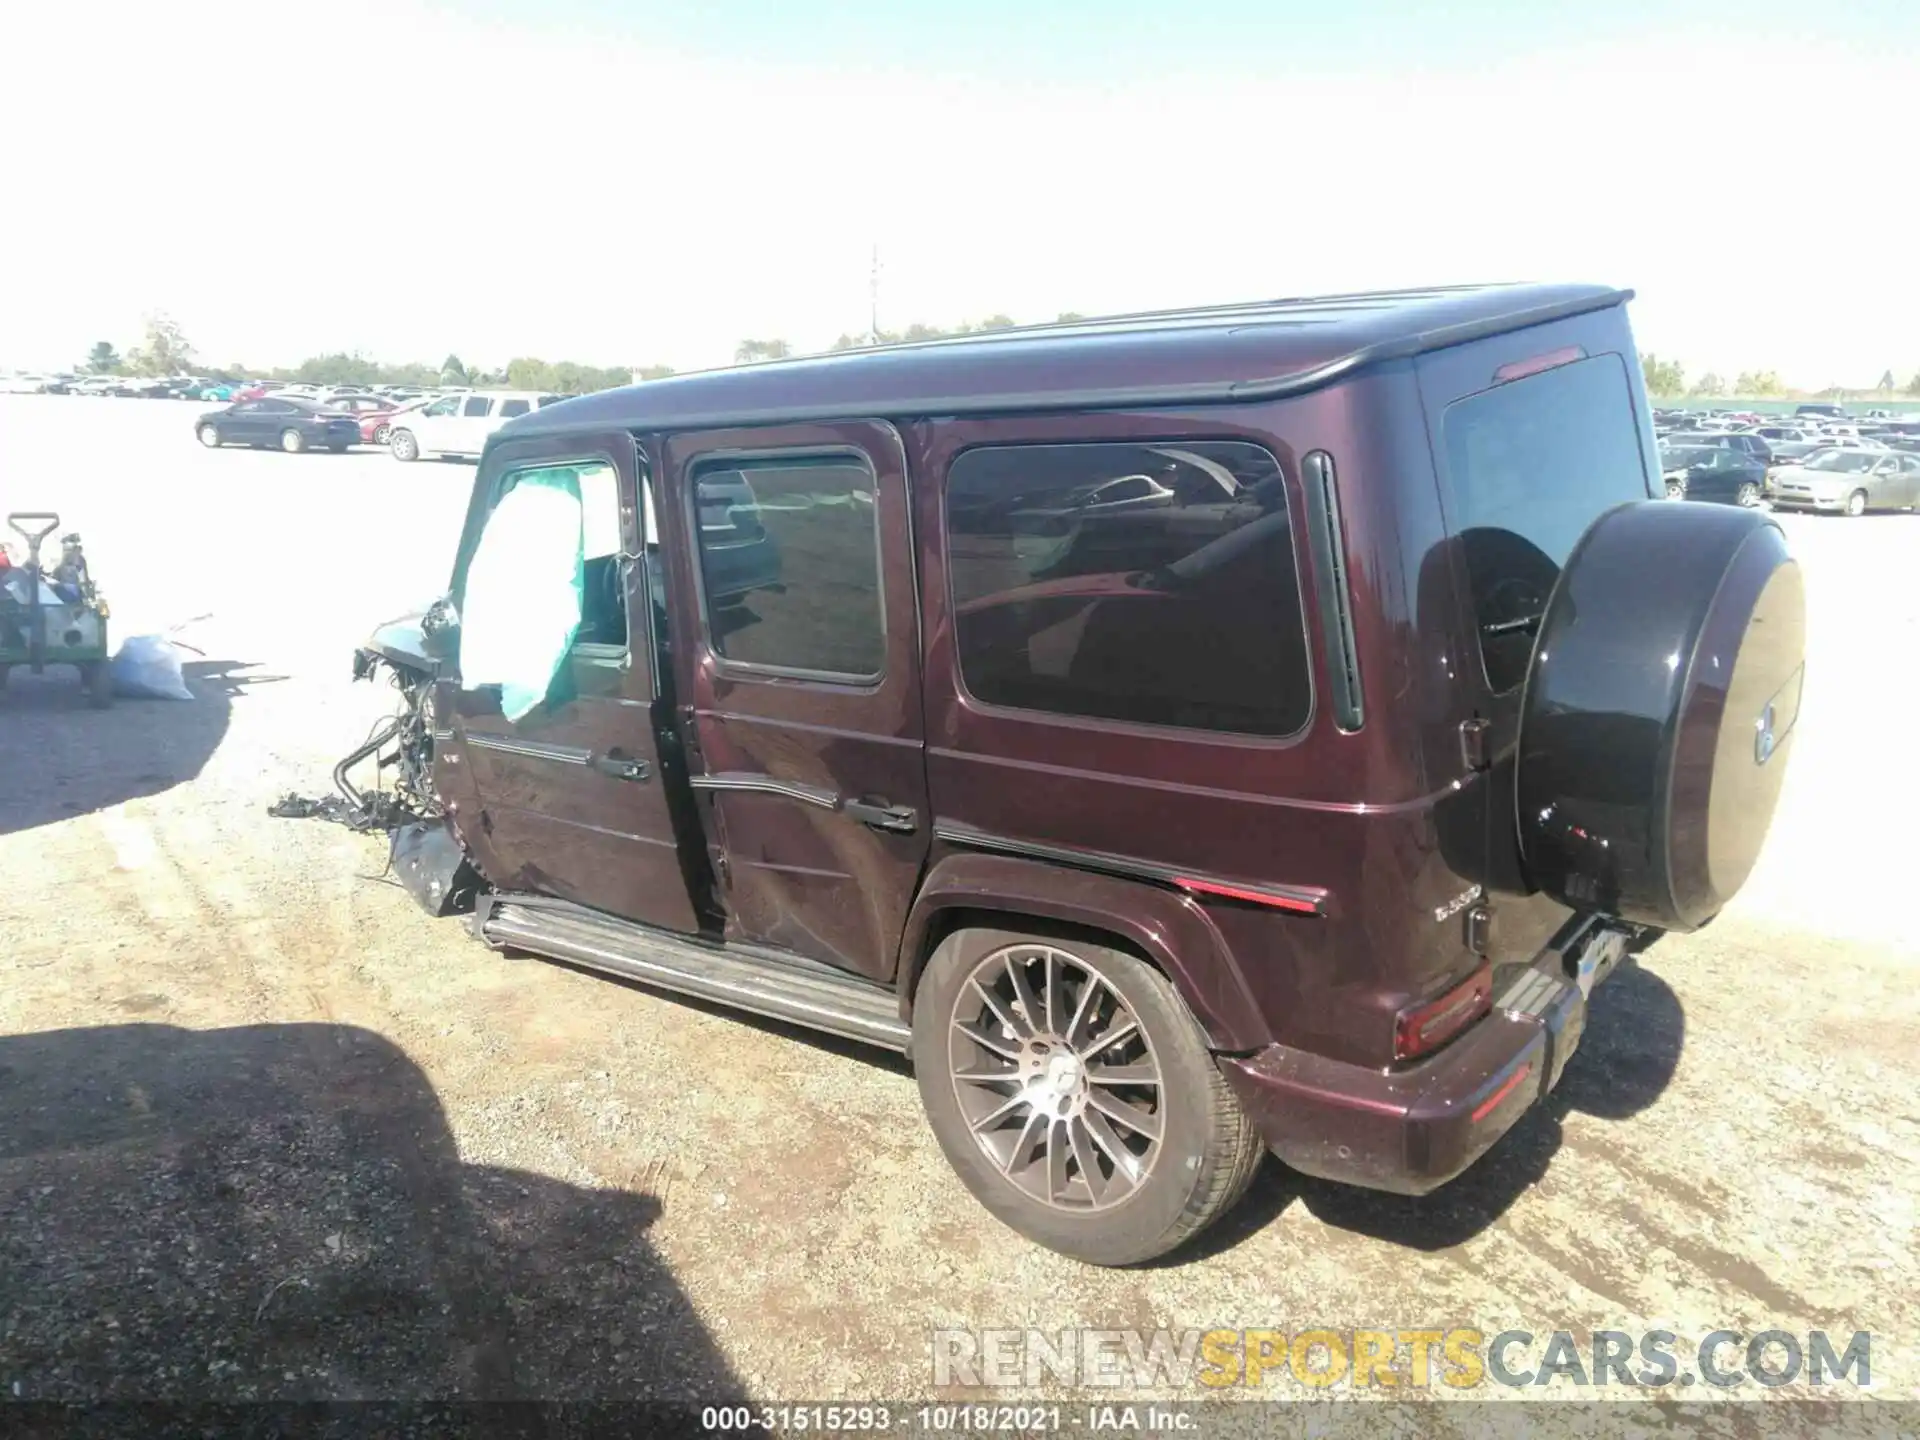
1487 1106
1422 1028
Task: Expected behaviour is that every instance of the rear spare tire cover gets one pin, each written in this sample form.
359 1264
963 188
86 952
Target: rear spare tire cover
1659 712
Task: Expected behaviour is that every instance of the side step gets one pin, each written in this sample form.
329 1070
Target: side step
762 982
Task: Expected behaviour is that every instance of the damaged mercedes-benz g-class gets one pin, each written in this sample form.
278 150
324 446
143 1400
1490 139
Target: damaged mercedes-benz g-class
1185 735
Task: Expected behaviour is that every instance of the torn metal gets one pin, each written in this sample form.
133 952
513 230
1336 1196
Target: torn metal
424 854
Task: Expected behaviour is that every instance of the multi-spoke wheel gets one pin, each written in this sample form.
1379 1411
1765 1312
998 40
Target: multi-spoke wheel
1073 1091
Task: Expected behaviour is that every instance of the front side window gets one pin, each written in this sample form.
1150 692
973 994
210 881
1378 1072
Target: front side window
528 595
448 406
1144 584
790 565
1530 465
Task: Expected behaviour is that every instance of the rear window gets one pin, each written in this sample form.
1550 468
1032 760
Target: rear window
1531 464
1147 584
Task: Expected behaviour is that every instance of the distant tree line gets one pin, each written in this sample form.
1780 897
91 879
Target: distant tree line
1668 379
166 351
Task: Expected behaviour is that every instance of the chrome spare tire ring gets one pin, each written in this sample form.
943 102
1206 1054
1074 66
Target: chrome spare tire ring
1055 1078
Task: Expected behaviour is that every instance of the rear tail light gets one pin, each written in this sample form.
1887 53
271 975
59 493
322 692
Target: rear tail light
1423 1028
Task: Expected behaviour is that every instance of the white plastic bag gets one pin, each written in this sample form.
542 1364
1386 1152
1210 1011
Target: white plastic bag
148 667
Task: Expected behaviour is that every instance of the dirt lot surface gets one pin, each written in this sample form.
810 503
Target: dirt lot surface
268 1130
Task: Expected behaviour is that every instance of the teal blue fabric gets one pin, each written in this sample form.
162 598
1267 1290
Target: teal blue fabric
521 607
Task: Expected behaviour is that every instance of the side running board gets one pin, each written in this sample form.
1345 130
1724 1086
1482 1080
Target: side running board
762 982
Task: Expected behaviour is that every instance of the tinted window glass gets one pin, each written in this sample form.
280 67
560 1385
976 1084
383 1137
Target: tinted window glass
1531 464
790 566
476 405
1150 584
443 407
511 408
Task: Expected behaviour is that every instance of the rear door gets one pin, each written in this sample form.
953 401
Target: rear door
1535 435
798 659
573 802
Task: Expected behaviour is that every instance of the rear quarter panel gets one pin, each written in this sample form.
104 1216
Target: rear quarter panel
1354 814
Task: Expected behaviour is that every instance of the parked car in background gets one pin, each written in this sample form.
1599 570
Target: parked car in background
377 425
1746 442
1713 473
357 404
460 424
1792 442
23 385
1848 482
1817 408
221 390
292 425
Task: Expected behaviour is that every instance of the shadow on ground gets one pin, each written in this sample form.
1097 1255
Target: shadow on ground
63 759
279 1211
1635 1030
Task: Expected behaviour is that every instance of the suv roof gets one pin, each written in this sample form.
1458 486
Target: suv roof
1255 351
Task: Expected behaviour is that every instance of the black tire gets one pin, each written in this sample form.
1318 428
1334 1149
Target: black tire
1676 489
403 445
1207 1151
98 677
1749 495
337 448
1857 504
292 441
381 433
209 436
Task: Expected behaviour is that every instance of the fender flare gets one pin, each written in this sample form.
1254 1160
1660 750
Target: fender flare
1170 930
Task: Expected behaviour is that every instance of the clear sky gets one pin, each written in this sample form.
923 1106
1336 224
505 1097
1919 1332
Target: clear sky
627 182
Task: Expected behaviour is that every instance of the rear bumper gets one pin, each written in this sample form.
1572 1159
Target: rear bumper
1412 1129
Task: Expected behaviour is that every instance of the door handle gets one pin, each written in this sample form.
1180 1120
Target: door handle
898 819
623 767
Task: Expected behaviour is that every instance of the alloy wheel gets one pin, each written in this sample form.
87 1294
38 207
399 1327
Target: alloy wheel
1056 1078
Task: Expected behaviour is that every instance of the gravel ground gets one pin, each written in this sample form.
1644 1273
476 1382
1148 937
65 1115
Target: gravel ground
268 1130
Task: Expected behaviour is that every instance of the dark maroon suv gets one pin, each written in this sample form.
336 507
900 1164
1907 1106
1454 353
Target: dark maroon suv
1185 735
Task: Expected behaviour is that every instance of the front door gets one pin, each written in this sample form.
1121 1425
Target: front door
573 802
432 425
798 658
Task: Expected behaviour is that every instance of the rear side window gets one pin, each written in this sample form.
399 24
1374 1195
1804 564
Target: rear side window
511 408
1147 584
1531 464
790 566
476 405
